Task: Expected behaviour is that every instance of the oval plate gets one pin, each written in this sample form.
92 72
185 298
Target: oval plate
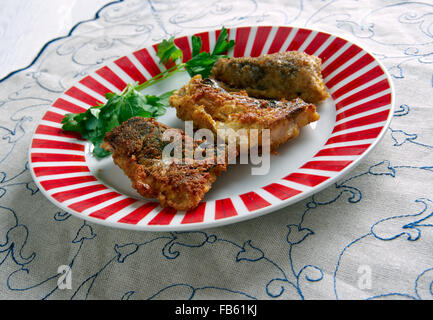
352 122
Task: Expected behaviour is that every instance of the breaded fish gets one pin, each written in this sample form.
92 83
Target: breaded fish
137 146
210 106
286 75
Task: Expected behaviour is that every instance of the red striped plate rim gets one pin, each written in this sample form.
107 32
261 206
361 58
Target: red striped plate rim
359 84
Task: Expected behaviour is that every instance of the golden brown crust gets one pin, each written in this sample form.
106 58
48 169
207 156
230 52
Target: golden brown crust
137 147
286 75
211 107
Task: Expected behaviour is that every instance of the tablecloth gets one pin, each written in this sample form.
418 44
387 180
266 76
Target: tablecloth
368 236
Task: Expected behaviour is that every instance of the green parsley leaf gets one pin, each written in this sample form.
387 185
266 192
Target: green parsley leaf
167 50
202 62
196 45
222 44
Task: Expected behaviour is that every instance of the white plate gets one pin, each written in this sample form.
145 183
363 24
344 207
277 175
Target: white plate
351 123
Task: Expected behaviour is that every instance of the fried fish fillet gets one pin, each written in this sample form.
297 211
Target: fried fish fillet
286 75
137 147
210 106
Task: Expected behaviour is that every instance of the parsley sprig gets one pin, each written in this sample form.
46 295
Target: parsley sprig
94 123
200 62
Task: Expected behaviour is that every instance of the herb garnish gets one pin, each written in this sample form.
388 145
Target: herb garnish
96 121
200 62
